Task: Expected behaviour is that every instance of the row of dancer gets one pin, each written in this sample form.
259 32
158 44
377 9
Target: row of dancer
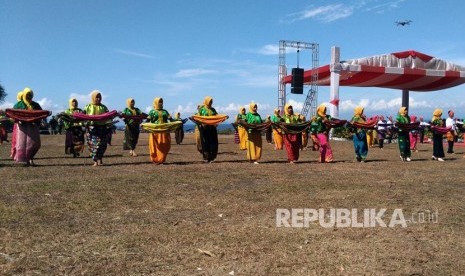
26 136
291 141
404 136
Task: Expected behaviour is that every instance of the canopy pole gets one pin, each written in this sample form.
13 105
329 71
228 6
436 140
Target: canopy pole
405 98
334 82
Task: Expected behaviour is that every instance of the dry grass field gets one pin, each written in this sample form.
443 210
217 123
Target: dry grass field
130 217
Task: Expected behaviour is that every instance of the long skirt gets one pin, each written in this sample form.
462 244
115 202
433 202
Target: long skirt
404 144
242 138
109 136
278 139
292 145
97 141
438 147
326 154
413 140
254 146
304 139
370 138
179 135
159 146
268 135
209 141
74 141
236 137
14 138
198 141
315 142
3 134
131 136
360 145
27 142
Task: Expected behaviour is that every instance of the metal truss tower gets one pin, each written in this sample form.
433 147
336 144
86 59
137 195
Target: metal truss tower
312 95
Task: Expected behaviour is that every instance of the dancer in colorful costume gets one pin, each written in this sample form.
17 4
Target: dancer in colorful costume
97 131
360 136
27 142
277 132
241 130
438 148
403 138
322 132
159 143
254 137
74 133
292 142
132 127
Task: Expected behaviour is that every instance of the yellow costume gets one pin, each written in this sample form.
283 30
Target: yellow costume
159 143
254 137
277 133
241 130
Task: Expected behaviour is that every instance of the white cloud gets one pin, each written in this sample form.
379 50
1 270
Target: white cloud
45 103
373 106
84 99
325 14
6 105
186 110
186 73
330 13
269 49
297 106
383 7
135 54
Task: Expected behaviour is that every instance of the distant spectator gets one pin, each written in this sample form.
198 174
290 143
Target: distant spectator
452 134
53 123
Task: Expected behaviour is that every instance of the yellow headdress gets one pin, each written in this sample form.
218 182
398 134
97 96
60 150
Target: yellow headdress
19 96
26 92
156 103
286 107
208 101
251 106
403 111
128 104
70 102
94 95
321 110
437 114
358 111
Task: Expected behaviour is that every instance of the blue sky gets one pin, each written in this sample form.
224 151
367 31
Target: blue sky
184 50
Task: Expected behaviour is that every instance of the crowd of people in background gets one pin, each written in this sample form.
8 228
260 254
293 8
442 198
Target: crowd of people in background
297 135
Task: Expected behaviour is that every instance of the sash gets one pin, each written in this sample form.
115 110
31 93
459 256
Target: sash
209 120
257 127
28 116
295 128
161 128
101 117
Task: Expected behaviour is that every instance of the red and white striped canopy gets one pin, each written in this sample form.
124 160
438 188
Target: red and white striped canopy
409 70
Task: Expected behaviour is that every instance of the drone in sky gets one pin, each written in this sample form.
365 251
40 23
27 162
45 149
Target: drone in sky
403 23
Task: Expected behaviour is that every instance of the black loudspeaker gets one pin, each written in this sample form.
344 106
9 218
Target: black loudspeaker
297 85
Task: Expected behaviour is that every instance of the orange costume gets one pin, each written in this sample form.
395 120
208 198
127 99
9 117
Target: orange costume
159 143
